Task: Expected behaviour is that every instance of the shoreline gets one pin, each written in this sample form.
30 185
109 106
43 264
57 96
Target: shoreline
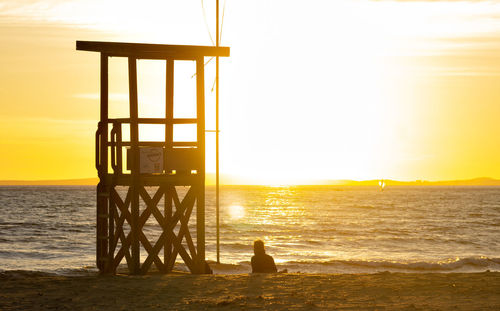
453 264
23 290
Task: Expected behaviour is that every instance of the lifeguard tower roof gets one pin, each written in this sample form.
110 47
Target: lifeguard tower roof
151 51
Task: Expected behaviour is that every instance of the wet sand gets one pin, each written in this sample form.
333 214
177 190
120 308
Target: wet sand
21 290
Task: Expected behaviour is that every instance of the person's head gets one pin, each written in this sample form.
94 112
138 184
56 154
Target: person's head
258 247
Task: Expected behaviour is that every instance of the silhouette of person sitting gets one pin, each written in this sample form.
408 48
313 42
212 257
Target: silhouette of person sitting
262 262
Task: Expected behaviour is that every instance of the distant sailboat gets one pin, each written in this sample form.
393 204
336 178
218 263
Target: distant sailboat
381 185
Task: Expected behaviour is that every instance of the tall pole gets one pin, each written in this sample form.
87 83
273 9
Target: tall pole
217 130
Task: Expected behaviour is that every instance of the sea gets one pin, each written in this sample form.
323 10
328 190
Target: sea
307 229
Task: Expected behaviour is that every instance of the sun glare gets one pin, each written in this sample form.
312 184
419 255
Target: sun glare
351 112
348 101
236 212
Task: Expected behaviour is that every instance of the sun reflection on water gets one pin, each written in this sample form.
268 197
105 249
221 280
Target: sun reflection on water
236 212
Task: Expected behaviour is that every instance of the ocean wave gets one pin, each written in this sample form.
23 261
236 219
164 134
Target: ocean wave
463 265
305 229
238 247
468 264
31 254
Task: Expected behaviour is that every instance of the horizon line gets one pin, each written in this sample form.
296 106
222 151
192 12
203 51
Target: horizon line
235 181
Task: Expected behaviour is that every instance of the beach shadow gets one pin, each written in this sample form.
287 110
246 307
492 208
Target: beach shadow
255 282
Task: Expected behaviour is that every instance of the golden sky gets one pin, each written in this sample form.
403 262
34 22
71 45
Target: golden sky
315 89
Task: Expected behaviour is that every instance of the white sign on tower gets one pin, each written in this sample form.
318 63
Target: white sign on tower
151 160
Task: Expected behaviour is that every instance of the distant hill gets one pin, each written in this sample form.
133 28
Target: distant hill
60 182
233 180
483 181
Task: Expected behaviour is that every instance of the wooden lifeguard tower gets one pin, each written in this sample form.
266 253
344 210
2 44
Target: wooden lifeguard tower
158 166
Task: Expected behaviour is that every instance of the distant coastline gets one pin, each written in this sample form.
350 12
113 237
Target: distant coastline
231 180
483 181
51 182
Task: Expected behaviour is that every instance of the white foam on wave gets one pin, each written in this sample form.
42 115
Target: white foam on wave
463 265
457 265
469 264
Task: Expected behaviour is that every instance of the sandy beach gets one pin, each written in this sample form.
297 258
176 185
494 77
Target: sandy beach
21 290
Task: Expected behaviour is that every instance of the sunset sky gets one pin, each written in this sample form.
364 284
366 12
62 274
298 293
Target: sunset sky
313 89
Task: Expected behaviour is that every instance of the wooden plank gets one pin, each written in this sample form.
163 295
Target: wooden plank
104 115
183 159
151 207
152 253
169 104
154 180
134 139
192 144
101 226
161 144
188 205
112 144
156 120
102 154
184 221
119 149
145 50
184 232
167 248
144 217
200 200
154 56
122 206
169 138
184 120
186 201
179 248
182 208
119 234
159 217
124 249
124 215
111 228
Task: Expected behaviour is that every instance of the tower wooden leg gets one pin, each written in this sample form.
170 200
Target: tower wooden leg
102 227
